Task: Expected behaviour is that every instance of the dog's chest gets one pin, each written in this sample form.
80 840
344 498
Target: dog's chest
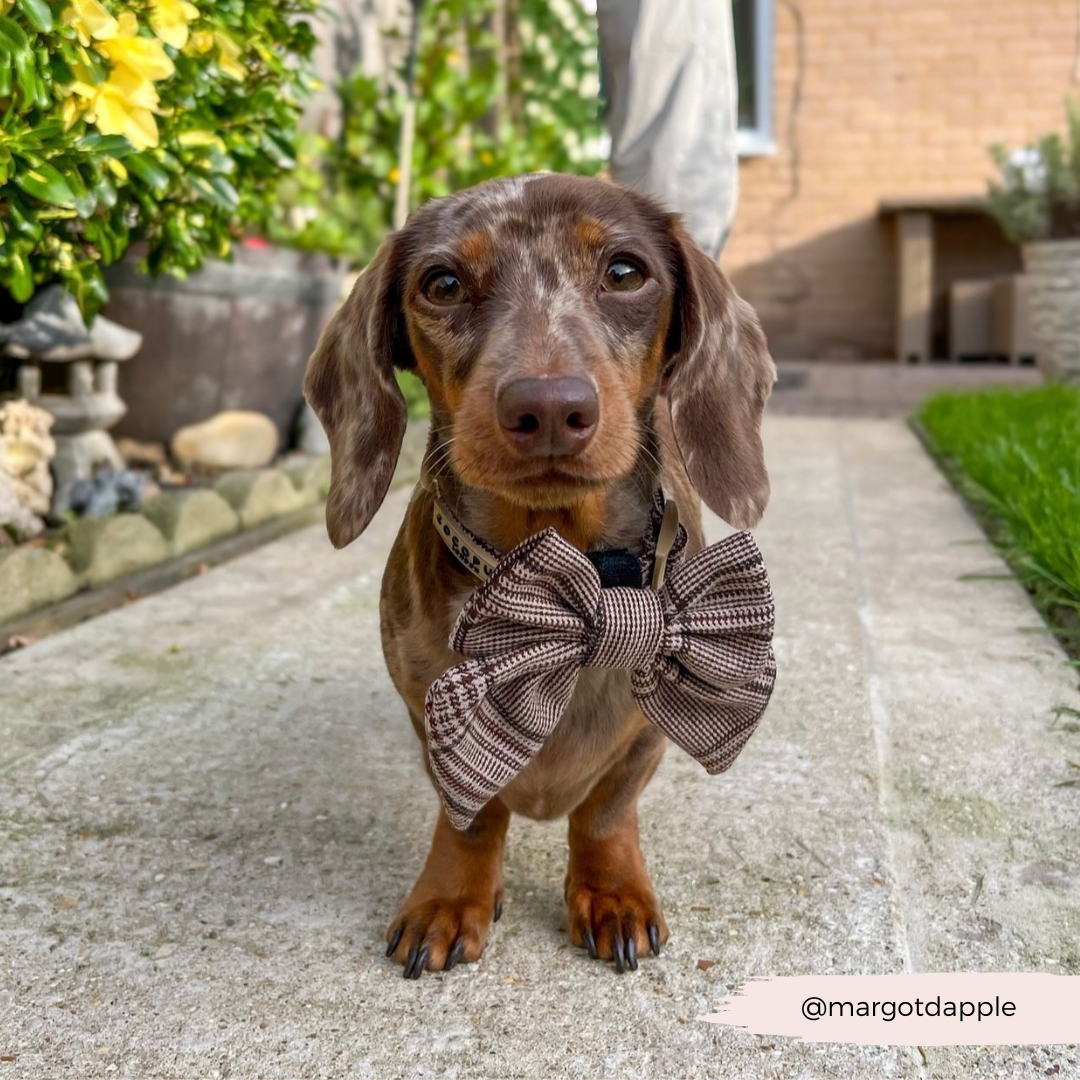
593 732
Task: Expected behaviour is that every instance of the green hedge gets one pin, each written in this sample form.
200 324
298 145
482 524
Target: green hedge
162 120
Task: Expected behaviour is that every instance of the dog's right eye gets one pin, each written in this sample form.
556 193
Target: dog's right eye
444 289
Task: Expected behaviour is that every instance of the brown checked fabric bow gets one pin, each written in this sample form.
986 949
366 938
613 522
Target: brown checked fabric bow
698 651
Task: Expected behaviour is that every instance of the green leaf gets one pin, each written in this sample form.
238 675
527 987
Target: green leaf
149 172
114 146
89 287
216 190
26 74
85 200
21 278
38 14
13 39
47 184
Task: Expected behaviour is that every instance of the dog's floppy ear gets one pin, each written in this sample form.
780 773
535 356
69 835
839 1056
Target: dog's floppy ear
720 377
351 386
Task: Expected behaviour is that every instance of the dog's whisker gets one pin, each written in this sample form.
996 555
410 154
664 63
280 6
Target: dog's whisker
652 457
440 450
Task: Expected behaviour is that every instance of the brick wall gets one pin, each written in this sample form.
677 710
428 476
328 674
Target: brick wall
877 99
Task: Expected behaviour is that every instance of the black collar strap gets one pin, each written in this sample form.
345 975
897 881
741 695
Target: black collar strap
617 568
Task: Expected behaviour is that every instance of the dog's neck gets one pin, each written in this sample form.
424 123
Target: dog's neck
615 516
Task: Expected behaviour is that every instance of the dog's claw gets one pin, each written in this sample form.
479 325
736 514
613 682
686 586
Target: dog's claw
415 969
395 941
455 954
590 943
654 938
620 958
498 911
631 953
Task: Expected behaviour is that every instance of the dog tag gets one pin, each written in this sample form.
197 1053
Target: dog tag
669 530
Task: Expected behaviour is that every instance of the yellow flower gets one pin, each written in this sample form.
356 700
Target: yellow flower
229 57
395 175
116 113
169 20
143 56
200 41
139 92
71 108
91 20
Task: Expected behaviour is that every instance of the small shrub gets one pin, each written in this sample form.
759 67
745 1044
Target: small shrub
168 121
475 119
1038 197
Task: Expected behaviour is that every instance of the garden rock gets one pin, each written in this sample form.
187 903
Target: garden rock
30 578
104 549
108 492
142 453
14 517
192 518
26 448
258 495
310 476
230 440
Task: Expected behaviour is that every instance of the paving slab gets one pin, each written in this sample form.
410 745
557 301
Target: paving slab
212 800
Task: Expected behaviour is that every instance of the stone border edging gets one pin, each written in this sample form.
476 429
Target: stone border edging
98 552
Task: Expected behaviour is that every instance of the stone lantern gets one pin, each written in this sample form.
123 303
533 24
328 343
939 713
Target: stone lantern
71 371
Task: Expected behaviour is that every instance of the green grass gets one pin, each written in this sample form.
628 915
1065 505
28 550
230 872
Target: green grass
1016 458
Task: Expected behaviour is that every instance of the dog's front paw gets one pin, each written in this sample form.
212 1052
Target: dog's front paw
615 921
437 934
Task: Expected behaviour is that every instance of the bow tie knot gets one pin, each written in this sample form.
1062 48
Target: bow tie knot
627 630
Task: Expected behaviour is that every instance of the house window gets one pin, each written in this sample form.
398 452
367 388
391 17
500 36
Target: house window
753 21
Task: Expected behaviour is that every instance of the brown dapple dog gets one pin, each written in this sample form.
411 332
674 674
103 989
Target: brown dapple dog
543 314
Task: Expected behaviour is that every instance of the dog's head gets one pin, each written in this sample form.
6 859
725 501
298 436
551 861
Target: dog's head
542 314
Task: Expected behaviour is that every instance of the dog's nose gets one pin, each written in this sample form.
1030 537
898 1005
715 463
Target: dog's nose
549 417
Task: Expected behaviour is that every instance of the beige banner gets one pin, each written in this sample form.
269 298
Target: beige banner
984 1009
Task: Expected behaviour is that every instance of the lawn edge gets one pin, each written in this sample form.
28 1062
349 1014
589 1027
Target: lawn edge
1056 616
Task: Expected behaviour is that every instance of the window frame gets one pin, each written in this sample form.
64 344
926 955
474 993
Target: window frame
759 140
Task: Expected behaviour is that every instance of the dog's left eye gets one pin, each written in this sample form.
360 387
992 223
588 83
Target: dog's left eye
445 289
623 276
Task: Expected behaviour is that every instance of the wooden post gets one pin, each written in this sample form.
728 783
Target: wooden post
915 253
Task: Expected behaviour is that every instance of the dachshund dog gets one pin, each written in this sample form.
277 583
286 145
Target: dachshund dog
578 350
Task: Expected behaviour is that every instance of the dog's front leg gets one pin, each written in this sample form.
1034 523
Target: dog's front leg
611 907
446 916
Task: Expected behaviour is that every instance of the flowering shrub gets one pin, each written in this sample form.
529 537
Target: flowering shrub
1038 197
475 119
163 120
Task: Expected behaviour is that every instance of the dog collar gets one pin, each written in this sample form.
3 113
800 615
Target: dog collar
616 567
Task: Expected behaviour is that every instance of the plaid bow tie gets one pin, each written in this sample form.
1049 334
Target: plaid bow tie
698 651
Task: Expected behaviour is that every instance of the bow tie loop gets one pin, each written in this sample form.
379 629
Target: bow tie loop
627 629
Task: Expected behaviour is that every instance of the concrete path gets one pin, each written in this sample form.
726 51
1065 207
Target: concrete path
211 801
